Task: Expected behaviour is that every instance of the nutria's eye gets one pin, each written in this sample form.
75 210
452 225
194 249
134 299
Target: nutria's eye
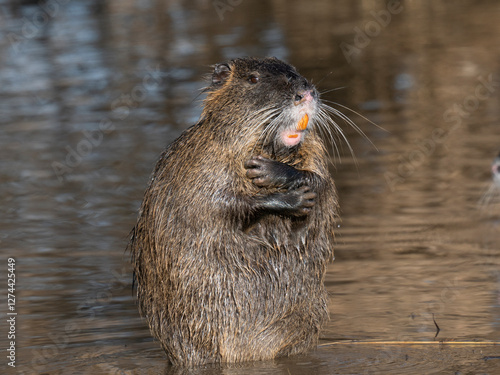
253 79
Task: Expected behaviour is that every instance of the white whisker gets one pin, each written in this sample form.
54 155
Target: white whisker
348 121
324 110
356 113
268 117
330 90
327 133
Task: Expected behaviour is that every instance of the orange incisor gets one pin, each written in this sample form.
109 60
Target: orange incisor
303 122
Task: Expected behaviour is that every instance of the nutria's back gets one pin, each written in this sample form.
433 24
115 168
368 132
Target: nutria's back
236 227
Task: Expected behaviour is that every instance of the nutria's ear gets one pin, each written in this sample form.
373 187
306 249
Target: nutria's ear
221 73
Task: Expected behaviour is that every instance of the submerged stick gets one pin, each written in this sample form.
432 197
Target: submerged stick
437 327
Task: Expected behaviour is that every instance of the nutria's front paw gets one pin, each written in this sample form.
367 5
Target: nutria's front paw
259 170
294 202
302 201
270 173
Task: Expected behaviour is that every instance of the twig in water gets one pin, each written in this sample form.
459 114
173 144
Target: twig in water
437 327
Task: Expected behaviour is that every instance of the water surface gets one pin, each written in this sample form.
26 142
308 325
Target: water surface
92 91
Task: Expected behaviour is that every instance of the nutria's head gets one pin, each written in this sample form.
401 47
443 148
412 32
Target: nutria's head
262 101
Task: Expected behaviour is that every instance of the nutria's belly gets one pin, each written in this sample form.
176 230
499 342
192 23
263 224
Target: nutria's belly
254 302
252 318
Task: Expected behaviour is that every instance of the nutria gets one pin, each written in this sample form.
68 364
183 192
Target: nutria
236 227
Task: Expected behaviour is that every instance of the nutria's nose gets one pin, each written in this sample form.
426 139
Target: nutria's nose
303 96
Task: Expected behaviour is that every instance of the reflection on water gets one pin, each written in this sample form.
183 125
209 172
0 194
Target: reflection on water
91 92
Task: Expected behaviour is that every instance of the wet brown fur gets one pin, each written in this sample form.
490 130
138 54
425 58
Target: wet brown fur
216 280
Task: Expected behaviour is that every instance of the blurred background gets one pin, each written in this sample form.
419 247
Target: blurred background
92 91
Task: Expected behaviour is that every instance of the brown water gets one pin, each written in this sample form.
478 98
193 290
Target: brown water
92 91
